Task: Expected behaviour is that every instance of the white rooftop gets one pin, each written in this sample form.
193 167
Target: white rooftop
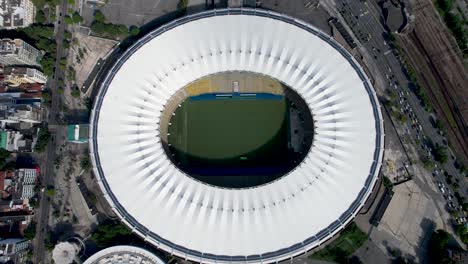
266 223
124 255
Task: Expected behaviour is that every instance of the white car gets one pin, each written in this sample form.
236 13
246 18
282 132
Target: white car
442 190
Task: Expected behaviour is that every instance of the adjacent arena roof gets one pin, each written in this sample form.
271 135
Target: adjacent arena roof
267 223
123 254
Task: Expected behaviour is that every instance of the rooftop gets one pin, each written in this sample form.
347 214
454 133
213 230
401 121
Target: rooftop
16 13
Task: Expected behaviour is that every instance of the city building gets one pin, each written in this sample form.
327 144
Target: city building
27 179
17 188
18 52
16 76
18 185
17 99
181 213
20 113
16 13
78 133
124 254
11 249
15 141
66 252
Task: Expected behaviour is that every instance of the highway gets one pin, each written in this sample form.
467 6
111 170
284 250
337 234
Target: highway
366 17
47 163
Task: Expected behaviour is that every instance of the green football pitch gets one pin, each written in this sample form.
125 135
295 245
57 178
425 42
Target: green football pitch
229 133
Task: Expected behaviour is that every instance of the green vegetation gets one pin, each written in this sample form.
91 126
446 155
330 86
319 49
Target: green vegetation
387 183
49 242
398 116
438 125
99 17
438 247
4 155
71 2
393 42
68 20
455 22
462 232
428 164
42 3
42 139
50 191
110 233
76 18
440 154
103 29
46 98
341 249
43 37
67 34
30 232
40 17
230 132
134 30
71 75
182 5
85 162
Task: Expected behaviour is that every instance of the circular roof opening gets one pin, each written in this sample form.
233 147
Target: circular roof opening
236 129
207 223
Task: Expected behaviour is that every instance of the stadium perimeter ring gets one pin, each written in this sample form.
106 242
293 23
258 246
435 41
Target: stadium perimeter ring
267 223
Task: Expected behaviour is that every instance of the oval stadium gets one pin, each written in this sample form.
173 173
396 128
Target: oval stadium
236 135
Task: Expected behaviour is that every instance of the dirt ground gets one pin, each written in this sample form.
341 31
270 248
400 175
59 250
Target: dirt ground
438 64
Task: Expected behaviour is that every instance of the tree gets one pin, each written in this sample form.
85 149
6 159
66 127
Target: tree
75 93
462 232
99 16
41 3
68 20
465 206
50 191
182 5
109 30
66 45
30 232
440 154
42 139
40 17
77 18
110 233
134 30
67 34
85 163
437 247
4 154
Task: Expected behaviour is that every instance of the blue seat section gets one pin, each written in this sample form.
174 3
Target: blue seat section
235 96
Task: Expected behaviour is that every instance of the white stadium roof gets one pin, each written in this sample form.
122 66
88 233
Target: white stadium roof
267 223
123 254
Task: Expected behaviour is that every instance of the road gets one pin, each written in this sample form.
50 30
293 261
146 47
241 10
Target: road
366 17
47 164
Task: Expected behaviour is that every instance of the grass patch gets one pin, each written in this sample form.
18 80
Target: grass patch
341 249
226 128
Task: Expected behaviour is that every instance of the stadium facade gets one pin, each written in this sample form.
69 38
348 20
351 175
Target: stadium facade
266 223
